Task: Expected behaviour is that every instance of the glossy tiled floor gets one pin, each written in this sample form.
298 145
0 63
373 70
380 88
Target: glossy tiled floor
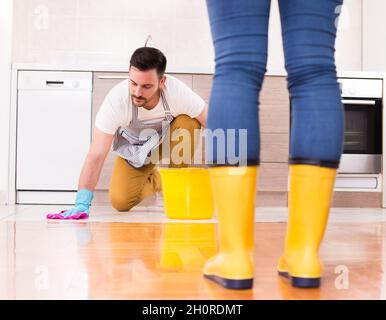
143 255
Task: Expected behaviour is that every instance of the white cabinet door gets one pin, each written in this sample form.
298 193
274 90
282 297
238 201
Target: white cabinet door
53 137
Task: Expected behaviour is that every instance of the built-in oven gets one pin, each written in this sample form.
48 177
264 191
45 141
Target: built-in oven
362 102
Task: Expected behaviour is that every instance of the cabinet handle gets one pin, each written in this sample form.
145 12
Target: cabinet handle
360 102
54 83
112 77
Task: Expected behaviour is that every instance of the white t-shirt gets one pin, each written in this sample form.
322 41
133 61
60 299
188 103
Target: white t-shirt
116 109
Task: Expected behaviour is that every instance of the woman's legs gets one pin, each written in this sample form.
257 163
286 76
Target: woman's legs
308 29
239 31
317 128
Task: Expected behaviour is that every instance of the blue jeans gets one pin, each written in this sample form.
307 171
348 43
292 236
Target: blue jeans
239 31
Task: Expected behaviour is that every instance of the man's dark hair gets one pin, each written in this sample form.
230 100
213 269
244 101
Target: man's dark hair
147 58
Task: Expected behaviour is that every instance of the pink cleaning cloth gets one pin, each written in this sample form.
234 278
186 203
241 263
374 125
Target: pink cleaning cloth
77 216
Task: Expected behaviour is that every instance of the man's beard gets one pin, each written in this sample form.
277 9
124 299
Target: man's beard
144 100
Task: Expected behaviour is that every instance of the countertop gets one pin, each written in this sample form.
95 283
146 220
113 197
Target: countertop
124 68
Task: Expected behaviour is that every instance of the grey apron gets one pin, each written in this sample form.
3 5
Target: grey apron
135 141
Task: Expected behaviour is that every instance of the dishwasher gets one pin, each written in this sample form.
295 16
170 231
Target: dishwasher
54 115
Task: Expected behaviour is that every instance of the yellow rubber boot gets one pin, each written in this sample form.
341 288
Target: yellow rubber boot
234 190
311 189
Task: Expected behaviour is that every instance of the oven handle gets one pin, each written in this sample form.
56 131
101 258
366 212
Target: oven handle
359 102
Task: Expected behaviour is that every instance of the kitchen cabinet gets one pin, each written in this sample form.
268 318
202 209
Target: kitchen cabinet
272 184
274 126
274 120
103 82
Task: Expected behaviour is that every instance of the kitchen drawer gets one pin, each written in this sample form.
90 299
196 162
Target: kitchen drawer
202 85
271 198
274 118
274 105
274 147
274 91
273 177
103 83
185 78
274 101
357 199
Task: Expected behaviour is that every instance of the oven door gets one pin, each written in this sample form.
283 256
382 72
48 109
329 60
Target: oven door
362 137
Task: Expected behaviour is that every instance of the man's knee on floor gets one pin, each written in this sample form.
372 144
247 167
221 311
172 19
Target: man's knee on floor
123 203
186 130
184 121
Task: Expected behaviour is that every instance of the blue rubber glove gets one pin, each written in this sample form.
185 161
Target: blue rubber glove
81 210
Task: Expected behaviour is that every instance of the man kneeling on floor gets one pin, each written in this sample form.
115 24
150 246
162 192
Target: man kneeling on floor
141 117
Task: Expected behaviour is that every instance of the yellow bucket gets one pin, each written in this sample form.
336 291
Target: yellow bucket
187 193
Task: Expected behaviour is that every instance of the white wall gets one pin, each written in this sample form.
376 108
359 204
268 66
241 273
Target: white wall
106 32
5 74
275 63
348 41
374 35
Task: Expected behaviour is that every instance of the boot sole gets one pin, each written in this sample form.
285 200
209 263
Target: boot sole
231 283
299 282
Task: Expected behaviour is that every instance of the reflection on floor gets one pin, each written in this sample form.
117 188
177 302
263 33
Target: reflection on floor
142 255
